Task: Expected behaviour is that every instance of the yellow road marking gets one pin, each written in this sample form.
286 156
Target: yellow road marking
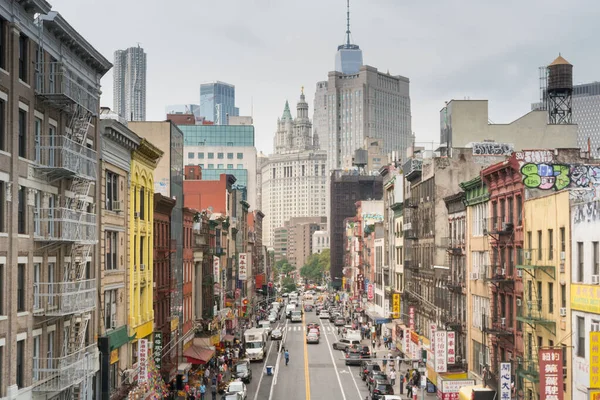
306 373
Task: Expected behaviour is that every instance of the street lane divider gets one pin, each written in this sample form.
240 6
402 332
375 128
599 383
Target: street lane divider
306 372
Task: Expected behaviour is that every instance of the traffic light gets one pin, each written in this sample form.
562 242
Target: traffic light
245 302
424 355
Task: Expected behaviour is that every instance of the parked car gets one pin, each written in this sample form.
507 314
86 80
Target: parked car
276 334
242 371
381 389
375 376
367 367
237 387
343 343
353 357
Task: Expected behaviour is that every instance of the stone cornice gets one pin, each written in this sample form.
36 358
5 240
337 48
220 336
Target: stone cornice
147 153
120 134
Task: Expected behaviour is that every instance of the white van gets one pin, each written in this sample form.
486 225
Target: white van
288 310
266 325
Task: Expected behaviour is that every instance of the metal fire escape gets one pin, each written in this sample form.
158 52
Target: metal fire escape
67 224
532 263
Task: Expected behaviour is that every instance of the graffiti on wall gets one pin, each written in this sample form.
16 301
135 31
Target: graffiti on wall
548 176
535 156
578 196
586 212
492 149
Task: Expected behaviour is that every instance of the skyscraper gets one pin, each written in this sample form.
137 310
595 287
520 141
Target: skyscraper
348 58
129 84
217 101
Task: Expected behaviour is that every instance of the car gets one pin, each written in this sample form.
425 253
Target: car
382 389
353 357
272 318
266 325
365 352
339 321
367 367
241 370
237 387
324 314
232 396
308 308
343 343
375 376
315 331
276 334
391 397
312 325
312 337
285 295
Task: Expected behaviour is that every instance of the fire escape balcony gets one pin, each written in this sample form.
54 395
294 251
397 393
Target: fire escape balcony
59 157
531 313
529 369
497 326
59 87
498 227
411 265
496 274
453 245
64 298
58 374
532 260
454 285
411 234
411 203
65 225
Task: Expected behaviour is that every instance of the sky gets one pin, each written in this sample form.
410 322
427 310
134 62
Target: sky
269 49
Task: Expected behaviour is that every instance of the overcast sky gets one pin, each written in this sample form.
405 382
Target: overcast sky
480 49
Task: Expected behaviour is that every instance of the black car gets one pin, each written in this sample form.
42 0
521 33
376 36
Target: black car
381 389
353 357
365 352
375 376
242 371
366 367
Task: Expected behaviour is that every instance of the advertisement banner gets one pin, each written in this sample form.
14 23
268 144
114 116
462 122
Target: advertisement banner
158 347
451 347
411 318
551 374
386 308
370 291
406 343
450 388
595 360
242 266
440 351
396 305
216 269
505 381
143 360
431 360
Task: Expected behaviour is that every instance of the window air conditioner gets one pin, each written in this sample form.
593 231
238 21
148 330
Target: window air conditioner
519 303
502 321
113 324
520 273
117 206
474 276
595 327
595 279
563 255
528 255
503 272
142 267
563 311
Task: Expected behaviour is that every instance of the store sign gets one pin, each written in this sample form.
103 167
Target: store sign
411 318
370 293
143 360
453 387
505 381
216 269
396 305
440 351
595 360
431 352
451 347
242 266
386 308
551 374
406 342
158 348
114 356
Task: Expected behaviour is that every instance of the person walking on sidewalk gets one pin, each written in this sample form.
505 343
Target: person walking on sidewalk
287 357
202 391
213 392
393 376
401 384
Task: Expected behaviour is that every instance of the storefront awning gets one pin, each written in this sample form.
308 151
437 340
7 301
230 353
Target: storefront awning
228 338
198 355
377 318
118 337
183 368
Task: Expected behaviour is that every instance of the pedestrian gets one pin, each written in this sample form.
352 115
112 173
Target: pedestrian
202 391
213 392
287 357
393 376
409 392
401 384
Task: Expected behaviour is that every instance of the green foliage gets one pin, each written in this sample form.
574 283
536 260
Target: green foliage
288 285
316 266
283 267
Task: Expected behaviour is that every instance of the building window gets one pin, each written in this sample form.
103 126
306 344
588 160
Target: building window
581 337
23 57
3 47
550 244
580 261
114 376
220 156
111 245
201 155
22 206
2 292
211 166
142 204
229 166
191 155
50 352
3 139
21 282
50 284
230 156
2 206
22 133
112 190
596 258
21 364
110 309
219 166
36 358
211 156
550 297
1 366
240 156
241 166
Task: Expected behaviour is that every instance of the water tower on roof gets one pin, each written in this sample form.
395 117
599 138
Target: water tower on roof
560 91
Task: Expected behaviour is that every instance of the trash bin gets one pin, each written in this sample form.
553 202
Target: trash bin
269 370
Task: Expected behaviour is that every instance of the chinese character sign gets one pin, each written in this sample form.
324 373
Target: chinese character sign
396 305
386 308
158 346
243 266
370 294
216 269
143 360
440 351
505 381
406 339
451 347
411 318
551 374
595 360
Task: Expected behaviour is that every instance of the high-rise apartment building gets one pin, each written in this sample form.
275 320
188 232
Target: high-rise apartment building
299 240
217 102
294 177
129 84
49 184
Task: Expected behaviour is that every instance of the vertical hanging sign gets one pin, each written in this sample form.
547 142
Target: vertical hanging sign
411 318
143 360
440 351
451 347
243 266
505 380
216 269
396 305
158 347
551 374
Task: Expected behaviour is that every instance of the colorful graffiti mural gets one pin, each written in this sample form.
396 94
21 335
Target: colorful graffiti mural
546 176
535 156
586 212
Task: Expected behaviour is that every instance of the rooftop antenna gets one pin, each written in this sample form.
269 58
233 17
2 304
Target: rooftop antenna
348 23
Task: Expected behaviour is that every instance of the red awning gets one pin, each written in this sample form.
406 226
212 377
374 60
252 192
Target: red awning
260 278
198 355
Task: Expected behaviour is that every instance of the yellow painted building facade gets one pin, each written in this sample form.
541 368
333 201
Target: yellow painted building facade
545 268
141 219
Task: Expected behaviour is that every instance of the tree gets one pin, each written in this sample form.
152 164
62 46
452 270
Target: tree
316 266
288 285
